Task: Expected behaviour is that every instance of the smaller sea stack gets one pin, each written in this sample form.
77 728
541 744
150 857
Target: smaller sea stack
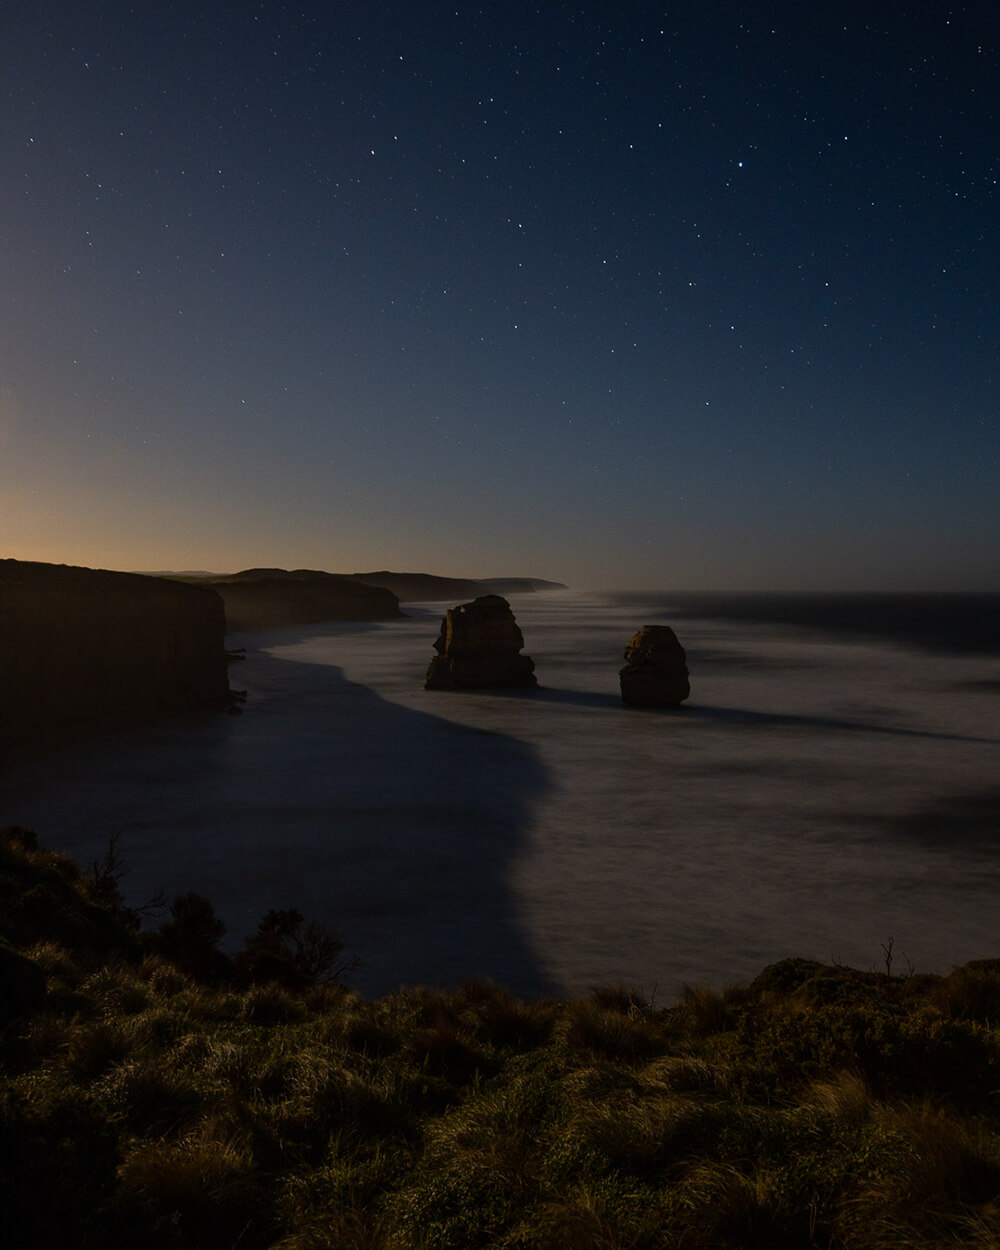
655 672
479 648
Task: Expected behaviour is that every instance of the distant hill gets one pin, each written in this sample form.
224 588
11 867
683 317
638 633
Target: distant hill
267 598
425 587
181 574
519 585
262 598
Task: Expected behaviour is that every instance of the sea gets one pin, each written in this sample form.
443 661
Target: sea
830 790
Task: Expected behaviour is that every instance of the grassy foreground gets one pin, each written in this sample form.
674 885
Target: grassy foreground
154 1092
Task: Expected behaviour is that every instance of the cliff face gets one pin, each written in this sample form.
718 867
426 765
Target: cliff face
78 645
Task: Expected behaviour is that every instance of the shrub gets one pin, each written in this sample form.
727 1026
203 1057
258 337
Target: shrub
703 1012
971 992
292 952
190 939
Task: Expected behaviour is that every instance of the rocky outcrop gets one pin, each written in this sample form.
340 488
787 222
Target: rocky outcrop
479 647
268 598
78 646
655 672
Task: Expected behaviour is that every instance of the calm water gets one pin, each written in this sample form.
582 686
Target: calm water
821 792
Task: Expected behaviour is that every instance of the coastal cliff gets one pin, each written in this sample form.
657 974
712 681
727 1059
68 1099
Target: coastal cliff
82 645
269 598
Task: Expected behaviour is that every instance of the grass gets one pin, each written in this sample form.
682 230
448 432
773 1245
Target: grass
153 1090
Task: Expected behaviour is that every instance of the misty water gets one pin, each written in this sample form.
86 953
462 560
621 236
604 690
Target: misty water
820 793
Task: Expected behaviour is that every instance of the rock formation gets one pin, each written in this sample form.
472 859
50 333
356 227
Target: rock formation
267 598
655 672
479 647
81 645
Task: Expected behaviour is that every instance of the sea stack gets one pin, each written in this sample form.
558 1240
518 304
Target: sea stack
479 648
655 672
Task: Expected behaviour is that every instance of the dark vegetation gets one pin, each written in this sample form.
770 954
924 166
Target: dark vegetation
157 1092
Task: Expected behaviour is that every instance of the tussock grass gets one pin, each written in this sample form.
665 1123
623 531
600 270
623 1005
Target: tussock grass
270 1004
347 1228
842 1098
56 962
591 1029
682 1074
595 1218
93 1047
116 990
938 1180
150 1100
198 1190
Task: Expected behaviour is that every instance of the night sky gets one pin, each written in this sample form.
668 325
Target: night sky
635 296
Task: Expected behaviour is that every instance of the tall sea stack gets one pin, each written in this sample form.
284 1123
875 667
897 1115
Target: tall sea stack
479 648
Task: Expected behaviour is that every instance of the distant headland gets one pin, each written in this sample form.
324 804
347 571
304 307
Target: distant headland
407 587
266 598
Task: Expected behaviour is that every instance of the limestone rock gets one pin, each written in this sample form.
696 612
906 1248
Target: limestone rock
80 646
479 647
655 672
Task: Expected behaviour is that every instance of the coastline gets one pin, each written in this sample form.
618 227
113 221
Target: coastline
817 794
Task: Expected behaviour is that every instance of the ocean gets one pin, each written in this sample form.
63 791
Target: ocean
831 786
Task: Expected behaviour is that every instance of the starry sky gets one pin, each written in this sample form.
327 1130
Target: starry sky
627 296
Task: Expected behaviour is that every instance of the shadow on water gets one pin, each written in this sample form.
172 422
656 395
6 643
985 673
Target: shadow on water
958 623
958 822
723 715
743 716
549 694
397 828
